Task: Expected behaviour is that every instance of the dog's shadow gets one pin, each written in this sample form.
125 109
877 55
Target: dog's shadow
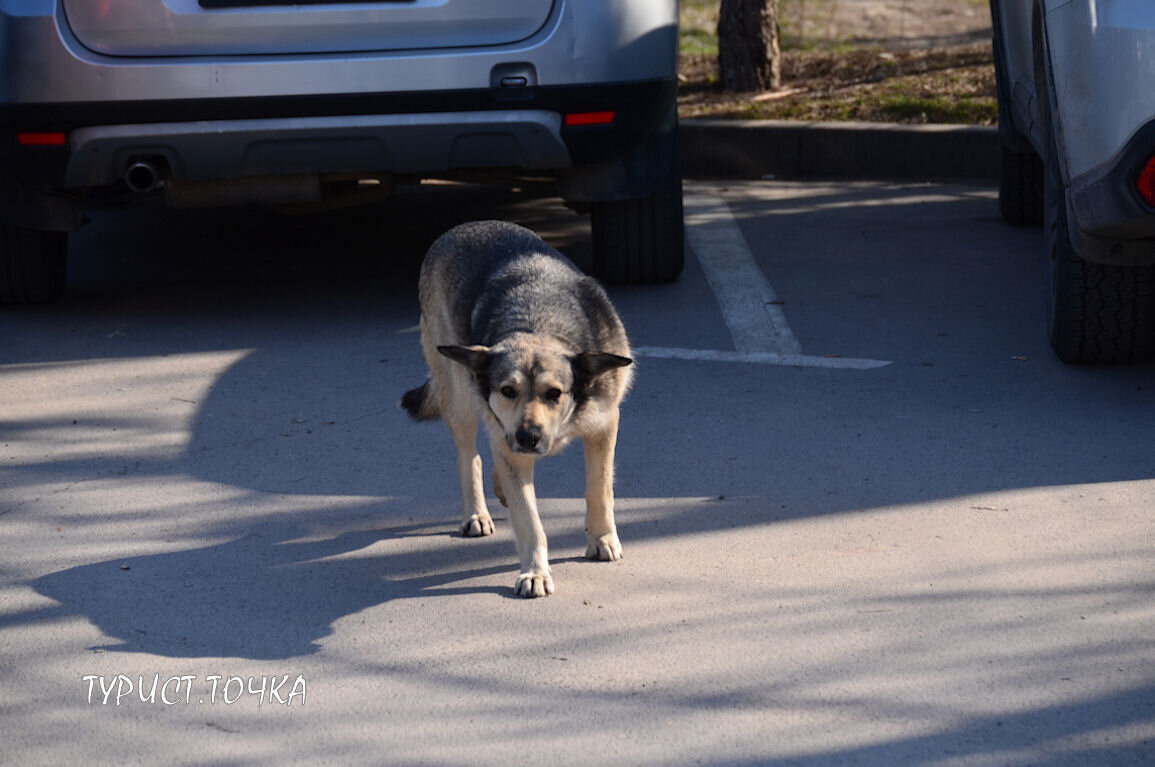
268 594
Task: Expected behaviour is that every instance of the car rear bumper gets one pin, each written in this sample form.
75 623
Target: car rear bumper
404 133
408 143
1113 224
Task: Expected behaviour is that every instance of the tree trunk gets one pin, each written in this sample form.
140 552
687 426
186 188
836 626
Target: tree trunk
749 55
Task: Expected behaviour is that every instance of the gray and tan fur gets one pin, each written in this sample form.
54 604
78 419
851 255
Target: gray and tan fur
516 336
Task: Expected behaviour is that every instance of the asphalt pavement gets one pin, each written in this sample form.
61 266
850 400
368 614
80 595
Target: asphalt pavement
867 517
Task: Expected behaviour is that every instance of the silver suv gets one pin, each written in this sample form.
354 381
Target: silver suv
214 102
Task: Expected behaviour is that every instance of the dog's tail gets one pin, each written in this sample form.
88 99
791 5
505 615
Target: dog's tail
421 403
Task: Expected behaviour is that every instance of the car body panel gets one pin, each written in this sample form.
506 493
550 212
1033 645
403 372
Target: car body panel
1089 40
1093 43
1012 20
1100 59
41 61
186 28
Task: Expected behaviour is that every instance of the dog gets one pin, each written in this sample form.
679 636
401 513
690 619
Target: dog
516 336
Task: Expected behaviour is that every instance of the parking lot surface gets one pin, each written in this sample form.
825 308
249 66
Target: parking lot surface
867 517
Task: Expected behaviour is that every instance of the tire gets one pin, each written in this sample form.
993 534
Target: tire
640 241
32 265
1020 187
1021 168
1096 313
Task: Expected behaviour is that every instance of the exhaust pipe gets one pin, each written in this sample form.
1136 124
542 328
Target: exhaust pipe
142 176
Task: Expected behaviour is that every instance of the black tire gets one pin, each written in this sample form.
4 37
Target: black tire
1021 187
32 265
1021 168
640 241
1096 313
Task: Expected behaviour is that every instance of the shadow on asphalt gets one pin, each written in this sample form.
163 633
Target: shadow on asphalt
262 596
790 444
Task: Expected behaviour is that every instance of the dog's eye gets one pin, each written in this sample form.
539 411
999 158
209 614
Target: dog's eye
509 392
551 395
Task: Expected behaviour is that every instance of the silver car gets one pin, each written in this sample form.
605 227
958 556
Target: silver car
211 102
1077 123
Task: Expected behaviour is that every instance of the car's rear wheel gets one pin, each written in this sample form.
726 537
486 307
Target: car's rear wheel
641 240
32 265
1021 187
1096 313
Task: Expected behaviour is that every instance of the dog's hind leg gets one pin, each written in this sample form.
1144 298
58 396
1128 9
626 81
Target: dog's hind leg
516 477
475 515
601 531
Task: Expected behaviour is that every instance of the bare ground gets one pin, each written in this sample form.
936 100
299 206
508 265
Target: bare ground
879 60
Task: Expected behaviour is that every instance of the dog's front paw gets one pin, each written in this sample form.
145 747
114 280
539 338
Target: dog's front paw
477 526
606 548
534 584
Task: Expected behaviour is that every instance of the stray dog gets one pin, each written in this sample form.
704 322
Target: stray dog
515 335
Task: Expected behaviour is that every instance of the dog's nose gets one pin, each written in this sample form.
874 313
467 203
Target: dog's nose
528 437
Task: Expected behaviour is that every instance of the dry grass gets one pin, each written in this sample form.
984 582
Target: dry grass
860 70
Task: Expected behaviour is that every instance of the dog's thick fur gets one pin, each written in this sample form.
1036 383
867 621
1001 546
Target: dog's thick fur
515 335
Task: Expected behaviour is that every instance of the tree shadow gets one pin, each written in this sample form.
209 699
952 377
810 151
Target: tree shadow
264 595
1071 734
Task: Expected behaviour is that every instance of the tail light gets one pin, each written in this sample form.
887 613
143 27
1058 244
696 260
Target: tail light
51 138
1145 183
589 118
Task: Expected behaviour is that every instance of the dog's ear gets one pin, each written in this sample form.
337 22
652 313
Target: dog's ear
589 365
476 358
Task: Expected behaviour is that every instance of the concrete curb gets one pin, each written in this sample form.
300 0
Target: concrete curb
749 149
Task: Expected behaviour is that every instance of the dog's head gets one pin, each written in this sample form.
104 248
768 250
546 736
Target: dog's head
533 385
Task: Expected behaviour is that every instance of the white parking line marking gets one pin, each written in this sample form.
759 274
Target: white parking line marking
758 358
749 305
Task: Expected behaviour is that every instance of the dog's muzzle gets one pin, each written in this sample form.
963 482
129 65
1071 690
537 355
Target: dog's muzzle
529 439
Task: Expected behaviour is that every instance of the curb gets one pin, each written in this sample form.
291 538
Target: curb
753 149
